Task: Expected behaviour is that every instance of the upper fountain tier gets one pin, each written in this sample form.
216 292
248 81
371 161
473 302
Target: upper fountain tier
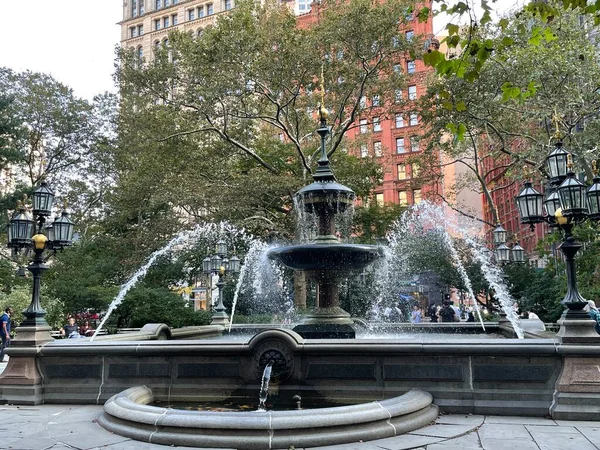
325 198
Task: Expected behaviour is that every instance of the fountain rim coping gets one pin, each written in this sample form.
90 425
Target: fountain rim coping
133 404
530 347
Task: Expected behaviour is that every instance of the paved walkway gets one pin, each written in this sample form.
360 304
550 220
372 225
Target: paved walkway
69 427
63 427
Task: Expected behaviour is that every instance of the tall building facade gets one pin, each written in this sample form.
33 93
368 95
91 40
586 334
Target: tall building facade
393 138
147 23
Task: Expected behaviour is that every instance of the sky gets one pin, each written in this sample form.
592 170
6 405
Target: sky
72 40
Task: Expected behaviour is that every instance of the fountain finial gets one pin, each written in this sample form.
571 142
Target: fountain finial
323 172
556 120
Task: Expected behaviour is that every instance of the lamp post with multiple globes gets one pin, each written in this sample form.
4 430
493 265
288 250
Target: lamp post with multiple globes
568 202
220 265
26 233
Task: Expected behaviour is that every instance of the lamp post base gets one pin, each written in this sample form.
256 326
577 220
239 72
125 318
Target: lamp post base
576 327
21 381
220 318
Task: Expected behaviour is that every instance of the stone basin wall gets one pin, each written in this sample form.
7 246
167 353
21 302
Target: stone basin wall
479 376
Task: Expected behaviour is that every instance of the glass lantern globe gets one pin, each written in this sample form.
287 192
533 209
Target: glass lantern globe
62 230
234 264
499 235
556 162
529 202
593 197
206 265
518 253
215 263
22 229
573 197
503 254
552 203
42 198
221 248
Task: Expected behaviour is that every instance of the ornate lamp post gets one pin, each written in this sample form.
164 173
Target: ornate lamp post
569 202
505 254
219 264
26 233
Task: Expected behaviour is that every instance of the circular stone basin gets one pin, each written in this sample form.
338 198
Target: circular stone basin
129 414
326 256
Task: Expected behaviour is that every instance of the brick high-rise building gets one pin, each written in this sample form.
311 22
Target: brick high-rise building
392 138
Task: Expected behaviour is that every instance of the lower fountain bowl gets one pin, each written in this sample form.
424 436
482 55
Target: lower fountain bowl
129 414
319 257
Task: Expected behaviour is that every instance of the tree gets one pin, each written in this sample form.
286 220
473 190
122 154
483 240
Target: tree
234 108
503 115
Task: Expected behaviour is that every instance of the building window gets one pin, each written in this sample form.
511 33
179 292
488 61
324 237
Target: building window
363 102
364 151
409 35
397 68
165 22
376 124
191 14
167 3
157 24
379 199
402 198
227 5
375 100
399 121
174 19
416 196
401 171
200 11
200 31
134 8
410 66
414 144
415 169
414 119
400 145
209 9
395 41
398 95
132 32
412 92
140 30
363 126
139 54
377 149
158 4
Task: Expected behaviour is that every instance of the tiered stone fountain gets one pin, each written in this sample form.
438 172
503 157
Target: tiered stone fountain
326 259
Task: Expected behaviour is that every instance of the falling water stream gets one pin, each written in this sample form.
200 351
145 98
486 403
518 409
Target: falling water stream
264 387
214 230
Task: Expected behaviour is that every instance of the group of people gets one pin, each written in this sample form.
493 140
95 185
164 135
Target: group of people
73 330
447 312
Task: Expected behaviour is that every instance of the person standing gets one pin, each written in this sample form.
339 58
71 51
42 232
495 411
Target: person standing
5 330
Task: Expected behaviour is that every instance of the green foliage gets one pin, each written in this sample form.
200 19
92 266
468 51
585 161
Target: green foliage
539 291
199 137
373 221
157 305
88 275
20 298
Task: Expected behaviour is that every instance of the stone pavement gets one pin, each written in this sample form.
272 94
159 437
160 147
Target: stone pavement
73 427
63 427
